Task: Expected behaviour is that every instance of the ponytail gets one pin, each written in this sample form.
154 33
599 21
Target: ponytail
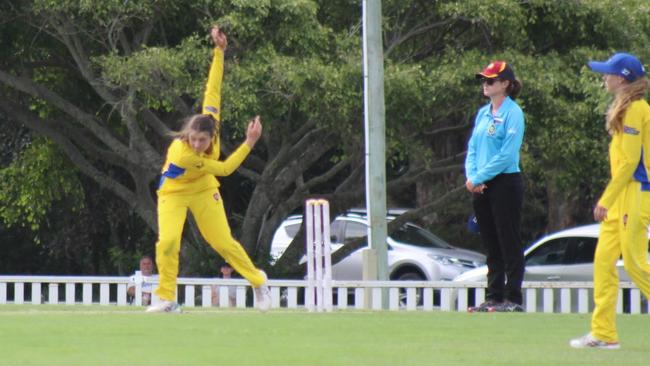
514 88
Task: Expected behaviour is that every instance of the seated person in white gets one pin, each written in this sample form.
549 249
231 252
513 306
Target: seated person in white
146 270
226 272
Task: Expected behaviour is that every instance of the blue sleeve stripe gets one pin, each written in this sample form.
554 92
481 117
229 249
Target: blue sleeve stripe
173 171
641 173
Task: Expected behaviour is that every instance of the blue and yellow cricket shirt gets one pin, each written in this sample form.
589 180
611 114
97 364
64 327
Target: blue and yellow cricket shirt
628 153
185 171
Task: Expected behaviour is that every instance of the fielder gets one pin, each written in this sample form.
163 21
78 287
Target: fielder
624 207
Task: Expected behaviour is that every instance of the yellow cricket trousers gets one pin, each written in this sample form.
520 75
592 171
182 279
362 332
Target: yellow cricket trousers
624 232
208 211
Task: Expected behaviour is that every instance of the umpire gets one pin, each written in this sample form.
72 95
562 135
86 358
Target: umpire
494 178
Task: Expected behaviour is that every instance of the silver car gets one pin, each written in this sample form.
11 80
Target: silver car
567 255
413 252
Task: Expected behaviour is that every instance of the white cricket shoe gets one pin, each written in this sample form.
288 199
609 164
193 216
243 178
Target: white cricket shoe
263 295
589 341
165 306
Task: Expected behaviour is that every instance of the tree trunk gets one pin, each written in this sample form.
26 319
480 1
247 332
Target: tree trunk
561 209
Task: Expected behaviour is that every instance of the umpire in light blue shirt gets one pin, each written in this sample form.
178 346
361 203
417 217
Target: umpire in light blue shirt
494 178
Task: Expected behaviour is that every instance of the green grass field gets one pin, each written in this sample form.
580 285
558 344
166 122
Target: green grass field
80 335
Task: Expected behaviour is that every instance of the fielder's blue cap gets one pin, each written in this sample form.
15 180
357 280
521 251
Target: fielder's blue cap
472 224
622 64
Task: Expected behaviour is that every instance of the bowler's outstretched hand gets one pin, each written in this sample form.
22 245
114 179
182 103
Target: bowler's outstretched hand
219 38
254 131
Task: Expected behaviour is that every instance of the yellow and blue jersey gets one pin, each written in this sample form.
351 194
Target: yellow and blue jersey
628 153
496 140
187 172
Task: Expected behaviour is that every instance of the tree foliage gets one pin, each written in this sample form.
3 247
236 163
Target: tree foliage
40 162
105 82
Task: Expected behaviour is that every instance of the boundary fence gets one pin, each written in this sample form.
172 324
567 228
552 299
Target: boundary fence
547 297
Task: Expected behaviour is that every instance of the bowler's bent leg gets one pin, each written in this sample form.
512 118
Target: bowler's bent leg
211 218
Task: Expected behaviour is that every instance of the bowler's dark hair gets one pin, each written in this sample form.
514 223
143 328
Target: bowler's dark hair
199 123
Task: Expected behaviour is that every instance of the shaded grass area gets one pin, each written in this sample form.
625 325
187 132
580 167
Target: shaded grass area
82 335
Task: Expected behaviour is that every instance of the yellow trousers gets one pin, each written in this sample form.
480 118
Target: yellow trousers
624 232
208 211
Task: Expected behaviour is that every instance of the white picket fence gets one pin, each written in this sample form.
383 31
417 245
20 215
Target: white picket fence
547 297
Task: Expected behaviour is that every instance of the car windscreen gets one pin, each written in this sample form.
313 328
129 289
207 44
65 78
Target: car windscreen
563 251
417 236
292 229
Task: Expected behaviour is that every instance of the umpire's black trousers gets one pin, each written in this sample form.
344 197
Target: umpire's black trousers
498 212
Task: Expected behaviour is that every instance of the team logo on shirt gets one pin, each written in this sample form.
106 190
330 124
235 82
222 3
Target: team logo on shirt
492 129
630 130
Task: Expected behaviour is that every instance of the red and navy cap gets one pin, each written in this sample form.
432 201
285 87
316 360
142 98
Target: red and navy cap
497 69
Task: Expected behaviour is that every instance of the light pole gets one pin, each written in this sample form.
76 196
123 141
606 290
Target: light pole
375 141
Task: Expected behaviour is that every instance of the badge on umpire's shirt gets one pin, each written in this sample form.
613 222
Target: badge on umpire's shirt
491 129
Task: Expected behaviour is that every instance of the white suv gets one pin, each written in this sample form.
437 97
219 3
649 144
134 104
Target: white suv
413 253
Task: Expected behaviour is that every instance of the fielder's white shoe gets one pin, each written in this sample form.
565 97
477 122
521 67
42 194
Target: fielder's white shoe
589 341
164 306
263 295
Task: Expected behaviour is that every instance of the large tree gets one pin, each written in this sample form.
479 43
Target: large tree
106 81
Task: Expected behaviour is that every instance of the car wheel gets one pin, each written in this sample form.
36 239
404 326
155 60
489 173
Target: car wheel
410 276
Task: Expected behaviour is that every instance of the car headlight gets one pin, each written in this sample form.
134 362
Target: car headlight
444 259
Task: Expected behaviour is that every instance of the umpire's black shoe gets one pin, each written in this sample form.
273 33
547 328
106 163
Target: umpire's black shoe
489 306
509 307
